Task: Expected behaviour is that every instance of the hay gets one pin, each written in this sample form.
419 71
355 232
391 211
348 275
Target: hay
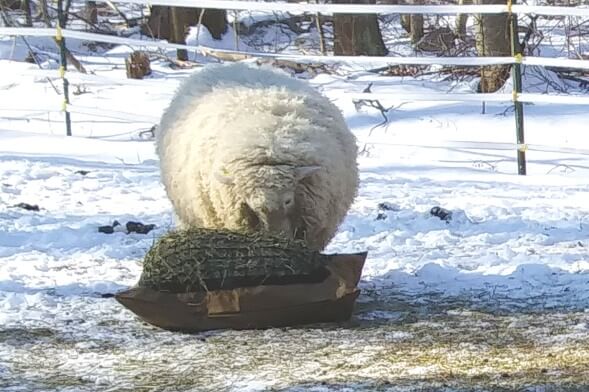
202 260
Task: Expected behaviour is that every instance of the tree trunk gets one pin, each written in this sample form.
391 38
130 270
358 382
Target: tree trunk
461 20
492 39
406 22
215 21
413 23
321 33
172 23
91 12
44 12
178 17
416 23
357 35
27 9
160 26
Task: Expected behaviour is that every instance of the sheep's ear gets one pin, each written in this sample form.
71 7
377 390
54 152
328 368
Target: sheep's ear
305 171
223 178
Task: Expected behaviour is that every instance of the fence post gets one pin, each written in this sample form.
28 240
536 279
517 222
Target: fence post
517 89
61 18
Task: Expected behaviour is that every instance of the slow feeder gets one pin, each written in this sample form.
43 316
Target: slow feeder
200 279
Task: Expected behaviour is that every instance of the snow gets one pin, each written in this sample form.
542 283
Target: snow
514 242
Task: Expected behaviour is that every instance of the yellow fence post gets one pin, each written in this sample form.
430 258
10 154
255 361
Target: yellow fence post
517 89
61 18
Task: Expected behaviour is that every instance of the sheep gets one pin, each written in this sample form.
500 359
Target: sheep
250 149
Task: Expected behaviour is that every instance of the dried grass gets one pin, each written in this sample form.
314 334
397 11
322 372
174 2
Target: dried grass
388 346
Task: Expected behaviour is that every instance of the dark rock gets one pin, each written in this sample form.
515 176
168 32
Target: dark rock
130 227
386 206
441 213
28 207
109 229
138 227
106 229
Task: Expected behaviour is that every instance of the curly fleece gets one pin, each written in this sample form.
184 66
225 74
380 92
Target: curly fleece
255 125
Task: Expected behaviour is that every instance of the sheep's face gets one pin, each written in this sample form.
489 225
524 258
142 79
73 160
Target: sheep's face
271 209
269 198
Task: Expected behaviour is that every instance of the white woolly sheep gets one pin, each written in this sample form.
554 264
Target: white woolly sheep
249 149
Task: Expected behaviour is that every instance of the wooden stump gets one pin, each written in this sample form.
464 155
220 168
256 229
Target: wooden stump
138 65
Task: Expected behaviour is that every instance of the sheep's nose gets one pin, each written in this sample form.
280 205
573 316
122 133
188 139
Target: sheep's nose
274 215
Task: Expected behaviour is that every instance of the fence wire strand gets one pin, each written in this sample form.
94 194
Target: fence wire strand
326 9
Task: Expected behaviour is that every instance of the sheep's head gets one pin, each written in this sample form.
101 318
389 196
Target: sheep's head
268 195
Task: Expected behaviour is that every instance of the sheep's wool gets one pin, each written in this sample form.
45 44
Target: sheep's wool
255 125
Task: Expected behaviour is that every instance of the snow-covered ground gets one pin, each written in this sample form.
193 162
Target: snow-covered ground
496 297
